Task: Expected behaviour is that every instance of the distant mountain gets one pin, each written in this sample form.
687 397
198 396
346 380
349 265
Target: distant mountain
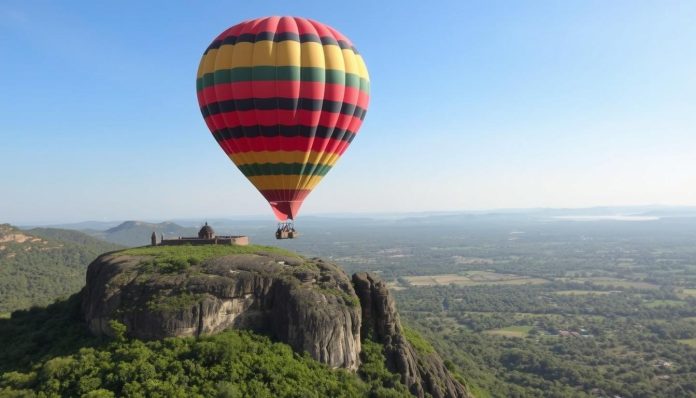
137 233
39 265
87 225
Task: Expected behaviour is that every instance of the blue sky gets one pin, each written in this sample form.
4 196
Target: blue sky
475 105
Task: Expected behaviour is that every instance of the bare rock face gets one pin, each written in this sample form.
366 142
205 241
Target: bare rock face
308 304
422 372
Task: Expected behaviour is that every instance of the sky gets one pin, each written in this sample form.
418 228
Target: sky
474 105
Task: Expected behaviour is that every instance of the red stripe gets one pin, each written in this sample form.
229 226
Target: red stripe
215 124
281 25
287 24
336 34
305 27
268 24
285 203
322 30
273 144
285 117
233 31
280 88
363 99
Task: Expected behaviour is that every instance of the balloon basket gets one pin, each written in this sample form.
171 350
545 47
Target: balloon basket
286 230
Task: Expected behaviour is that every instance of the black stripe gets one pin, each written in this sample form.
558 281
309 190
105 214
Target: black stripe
282 131
290 104
278 37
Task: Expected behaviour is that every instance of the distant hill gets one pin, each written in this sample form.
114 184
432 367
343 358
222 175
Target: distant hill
137 233
39 265
86 225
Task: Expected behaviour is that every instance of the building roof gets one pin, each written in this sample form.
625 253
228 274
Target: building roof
206 231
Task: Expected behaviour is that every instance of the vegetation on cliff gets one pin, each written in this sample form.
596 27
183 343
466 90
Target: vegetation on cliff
49 352
199 253
221 321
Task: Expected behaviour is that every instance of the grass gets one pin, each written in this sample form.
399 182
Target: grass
191 254
689 342
417 341
174 303
352 301
511 331
688 293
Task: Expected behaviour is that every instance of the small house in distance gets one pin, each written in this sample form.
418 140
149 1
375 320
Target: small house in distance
206 236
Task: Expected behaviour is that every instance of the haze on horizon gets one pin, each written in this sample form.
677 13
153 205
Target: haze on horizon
474 106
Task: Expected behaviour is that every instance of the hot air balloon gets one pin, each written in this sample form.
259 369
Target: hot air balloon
284 97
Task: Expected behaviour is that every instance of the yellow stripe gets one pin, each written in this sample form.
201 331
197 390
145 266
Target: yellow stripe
362 68
285 53
264 53
334 57
312 55
207 63
243 158
238 55
289 53
351 64
290 183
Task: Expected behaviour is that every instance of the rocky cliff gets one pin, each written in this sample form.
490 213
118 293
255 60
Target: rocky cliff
309 304
422 371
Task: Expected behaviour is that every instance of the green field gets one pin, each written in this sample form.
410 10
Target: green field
688 292
608 281
664 303
511 331
689 342
473 278
584 292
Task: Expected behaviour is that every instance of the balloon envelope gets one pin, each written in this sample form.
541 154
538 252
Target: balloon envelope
284 97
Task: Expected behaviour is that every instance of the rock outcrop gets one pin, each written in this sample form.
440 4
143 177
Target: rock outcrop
422 372
308 304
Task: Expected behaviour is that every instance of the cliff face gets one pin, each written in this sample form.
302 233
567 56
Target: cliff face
309 304
422 372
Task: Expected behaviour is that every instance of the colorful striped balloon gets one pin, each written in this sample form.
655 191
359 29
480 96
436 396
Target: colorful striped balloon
284 97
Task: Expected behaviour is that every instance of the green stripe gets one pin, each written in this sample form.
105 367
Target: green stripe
264 169
260 73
